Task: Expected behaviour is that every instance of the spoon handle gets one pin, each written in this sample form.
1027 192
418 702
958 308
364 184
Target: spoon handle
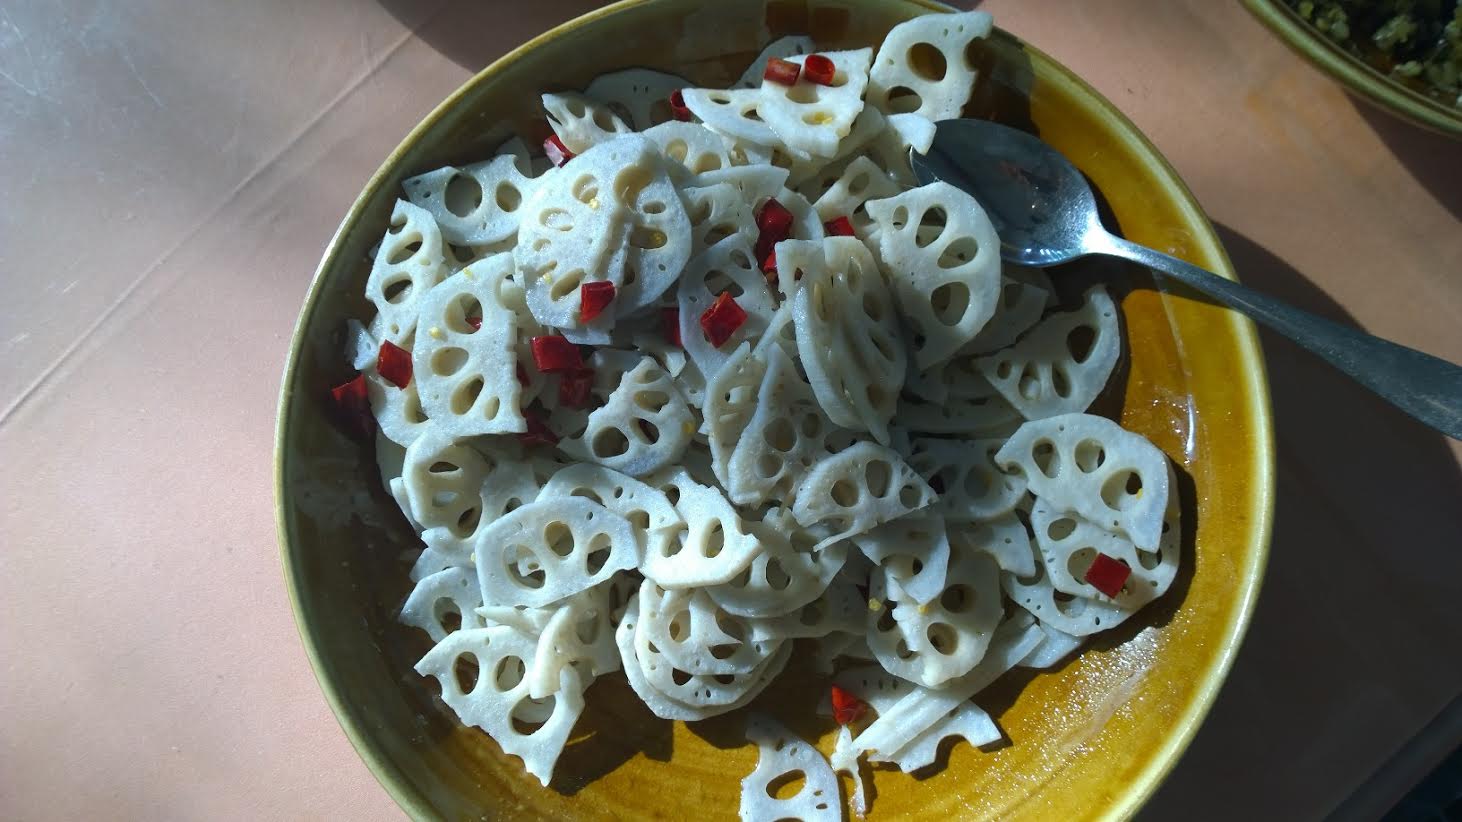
1426 387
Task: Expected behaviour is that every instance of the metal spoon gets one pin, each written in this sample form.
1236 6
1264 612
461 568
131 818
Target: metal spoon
1045 214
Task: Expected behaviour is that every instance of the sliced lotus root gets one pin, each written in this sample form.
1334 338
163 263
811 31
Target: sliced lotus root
576 543
1020 307
812 118
646 508
757 183
857 489
731 400
923 65
695 634
1004 538
1077 616
443 480
787 433
781 332
780 48
1055 646
971 486
609 365
785 576
407 264
693 148
579 634
734 114
582 123
840 609
726 267
712 547
477 204
980 416
642 427
465 372
397 411
848 336
882 690
1068 543
915 552
860 182
481 673
783 757
1063 363
944 638
444 602
947 278
889 150
361 346
639 96
807 175
717 212
1089 465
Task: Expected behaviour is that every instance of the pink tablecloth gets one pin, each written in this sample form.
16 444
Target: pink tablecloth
172 170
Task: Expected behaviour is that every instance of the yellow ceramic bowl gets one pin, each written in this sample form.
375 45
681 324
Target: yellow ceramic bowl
1353 72
1092 739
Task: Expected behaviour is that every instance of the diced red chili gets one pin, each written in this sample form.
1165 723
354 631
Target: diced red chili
522 374
554 354
781 72
574 386
678 109
593 299
722 319
769 263
670 325
818 69
846 707
393 363
557 152
839 227
351 402
1108 575
475 323
538 432
773 225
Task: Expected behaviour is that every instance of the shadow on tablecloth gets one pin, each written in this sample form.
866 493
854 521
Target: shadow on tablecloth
1434 160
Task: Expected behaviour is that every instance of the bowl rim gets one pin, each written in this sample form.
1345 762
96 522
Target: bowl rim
1156 766
1352 72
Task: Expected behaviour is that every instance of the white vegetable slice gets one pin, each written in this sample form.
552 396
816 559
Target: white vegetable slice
731 400
977 415
785 756
1077 616
1003 537
712 547
726 267
756 183
408 263
947 284
575 543
786 434
1114 478
693 147
853 491
882 690
781 49
785 576
733 113
397 410
839 610
890 149
696 689
466 375
646 508
972 486
579 634
644 426
477 204
582 123
640 96
444 480
1054 647
498 701
847 331
914 550
511 482
900 82
860 182
845 759
935 642
1068 543
361 346
440 596
813 118
717 212
696 635
1063 363
808 175
1020 307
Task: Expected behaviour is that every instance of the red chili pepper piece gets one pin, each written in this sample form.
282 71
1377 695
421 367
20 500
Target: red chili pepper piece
839 227
557 152
474 323
678 109
846 707
352 407
722 319
573 388
670 325
593 299
1108 575
769 263
781 72
393 363
556 354
522 374
538 432
773 224
818 69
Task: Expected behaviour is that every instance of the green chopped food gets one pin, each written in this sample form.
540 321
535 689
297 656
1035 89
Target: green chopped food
1417 43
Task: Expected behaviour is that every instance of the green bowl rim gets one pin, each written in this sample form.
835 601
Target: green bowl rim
1156 766
1352 72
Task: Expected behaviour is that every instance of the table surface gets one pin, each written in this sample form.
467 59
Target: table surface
173 170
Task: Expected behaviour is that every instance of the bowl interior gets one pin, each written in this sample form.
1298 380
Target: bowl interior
1091 738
